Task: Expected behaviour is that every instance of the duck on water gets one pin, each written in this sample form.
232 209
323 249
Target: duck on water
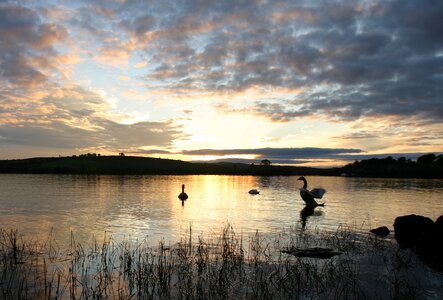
310 196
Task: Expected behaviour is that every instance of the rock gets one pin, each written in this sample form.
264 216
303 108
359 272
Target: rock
439 223
409 228
315 252
381 231
429 246
423 237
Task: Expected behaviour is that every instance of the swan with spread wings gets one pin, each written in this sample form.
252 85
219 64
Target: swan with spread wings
309 196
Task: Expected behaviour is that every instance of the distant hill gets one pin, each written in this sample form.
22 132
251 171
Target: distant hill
144 165
426 166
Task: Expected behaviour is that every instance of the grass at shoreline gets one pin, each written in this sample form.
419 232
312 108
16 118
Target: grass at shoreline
224 266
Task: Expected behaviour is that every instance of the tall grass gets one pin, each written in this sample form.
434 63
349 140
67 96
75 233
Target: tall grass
224 266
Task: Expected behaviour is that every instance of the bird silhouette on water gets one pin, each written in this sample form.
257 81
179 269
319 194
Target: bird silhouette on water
254 192
310 196
183 196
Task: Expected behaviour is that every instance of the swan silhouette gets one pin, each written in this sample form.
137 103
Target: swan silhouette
183 196
308 196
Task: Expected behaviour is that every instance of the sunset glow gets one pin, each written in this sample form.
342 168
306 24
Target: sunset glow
313 83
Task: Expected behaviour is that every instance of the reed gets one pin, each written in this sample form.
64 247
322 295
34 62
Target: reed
217 267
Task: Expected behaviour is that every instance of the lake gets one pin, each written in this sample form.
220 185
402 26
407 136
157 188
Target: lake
147 207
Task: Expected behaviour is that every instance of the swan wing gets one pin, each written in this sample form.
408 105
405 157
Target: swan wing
318 192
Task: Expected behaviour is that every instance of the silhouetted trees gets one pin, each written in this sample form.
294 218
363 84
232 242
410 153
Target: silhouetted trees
427 166
426 159
265 162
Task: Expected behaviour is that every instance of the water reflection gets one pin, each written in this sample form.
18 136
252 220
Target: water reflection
264 181
147 206
307 212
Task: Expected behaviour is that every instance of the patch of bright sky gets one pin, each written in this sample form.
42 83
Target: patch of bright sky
108 78
309 133
209 129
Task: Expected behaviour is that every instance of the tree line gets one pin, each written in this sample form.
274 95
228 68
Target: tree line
426 166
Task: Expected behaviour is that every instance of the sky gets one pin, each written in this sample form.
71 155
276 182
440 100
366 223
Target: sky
312 83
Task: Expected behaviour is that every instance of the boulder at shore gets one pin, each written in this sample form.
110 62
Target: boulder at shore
381 231
423 237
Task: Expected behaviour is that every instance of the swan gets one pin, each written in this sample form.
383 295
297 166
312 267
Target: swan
183 196
254 192
308 196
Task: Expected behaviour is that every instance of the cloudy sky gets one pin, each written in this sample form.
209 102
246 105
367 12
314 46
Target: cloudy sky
306 82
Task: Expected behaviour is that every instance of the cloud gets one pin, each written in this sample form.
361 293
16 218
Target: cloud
107 135
286 156
353 59
361 62
277 153
124 78
29 59
255 161
66 124
38 112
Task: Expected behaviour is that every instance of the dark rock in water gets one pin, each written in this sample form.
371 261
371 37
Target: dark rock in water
381 231
429 247
423 237
439 223
409 228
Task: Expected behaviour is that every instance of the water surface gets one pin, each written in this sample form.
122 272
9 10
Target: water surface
147 207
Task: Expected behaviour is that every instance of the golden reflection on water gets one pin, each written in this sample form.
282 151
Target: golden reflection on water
147 207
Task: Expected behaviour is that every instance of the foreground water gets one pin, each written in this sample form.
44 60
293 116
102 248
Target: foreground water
147 207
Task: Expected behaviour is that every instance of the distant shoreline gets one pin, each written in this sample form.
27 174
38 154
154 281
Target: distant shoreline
427 166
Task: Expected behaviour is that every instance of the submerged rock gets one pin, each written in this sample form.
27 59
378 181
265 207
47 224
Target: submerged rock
315 252
381 231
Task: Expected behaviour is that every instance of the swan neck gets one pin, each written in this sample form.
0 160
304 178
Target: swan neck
305 183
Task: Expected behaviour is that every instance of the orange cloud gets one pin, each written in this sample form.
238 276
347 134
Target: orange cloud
124 78
113 56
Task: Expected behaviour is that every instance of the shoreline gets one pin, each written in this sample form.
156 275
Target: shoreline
131 165
223 266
